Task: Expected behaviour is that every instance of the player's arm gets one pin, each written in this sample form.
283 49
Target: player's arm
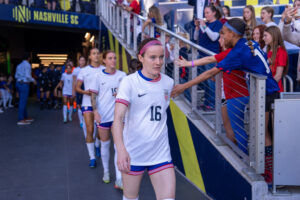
178 89
202 61
79 90
95 109
123 159
74 83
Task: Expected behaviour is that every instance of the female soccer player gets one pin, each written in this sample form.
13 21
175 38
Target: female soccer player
85 77
104 88
245 56
82 63
142 141
66 84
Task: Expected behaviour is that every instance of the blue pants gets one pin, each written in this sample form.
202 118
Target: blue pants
235 108
23 90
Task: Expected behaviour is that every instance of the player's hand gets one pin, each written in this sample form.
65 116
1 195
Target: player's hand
123 161
88 93
182 63
177 90
97 116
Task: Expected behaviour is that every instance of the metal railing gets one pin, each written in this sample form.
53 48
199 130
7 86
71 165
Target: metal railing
204 99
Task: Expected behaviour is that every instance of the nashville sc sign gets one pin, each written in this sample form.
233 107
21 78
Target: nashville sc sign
23 14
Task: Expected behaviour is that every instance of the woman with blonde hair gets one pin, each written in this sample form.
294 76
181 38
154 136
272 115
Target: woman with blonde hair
154 17
249 16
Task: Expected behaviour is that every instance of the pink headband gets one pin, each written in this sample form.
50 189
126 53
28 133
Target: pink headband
149 44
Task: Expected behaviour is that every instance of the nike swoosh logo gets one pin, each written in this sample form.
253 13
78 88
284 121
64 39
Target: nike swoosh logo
140 95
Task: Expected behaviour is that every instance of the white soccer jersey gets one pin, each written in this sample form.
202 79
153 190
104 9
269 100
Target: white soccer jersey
76 71
105 85
86 75
145 132
68 83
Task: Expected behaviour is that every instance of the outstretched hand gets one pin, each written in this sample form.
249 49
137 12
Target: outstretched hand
181 63
177 90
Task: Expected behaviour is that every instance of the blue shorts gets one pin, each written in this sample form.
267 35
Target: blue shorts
66 95
138 170
86 109
106 125
79 98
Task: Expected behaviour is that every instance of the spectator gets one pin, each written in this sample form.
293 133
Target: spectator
133 66
258 34
23 78
249 17
134 6
293 37
86 6
4 1
266 16
226 13
51 4
207 34
155 18
277 55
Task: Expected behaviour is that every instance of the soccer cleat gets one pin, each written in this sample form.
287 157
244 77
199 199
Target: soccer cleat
65 121
118 185
23 122
97 151
70 118
1 111
106 178
93 163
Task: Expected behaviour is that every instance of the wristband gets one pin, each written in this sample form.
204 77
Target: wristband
193 64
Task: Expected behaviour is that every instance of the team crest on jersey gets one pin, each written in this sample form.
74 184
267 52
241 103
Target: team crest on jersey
166 94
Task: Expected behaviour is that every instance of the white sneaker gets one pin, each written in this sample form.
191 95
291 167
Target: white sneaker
23 122
106 178
118 185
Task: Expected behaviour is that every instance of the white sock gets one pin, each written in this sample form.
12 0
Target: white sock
80 117
105 155
65 111
91 150
118 173
84 129
124 198
95 131
97 142
70 112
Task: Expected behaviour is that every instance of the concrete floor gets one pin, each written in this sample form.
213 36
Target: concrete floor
48 160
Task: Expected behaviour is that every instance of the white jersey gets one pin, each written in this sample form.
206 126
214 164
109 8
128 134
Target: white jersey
105 85
86 76
145 132
68 83
76 71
